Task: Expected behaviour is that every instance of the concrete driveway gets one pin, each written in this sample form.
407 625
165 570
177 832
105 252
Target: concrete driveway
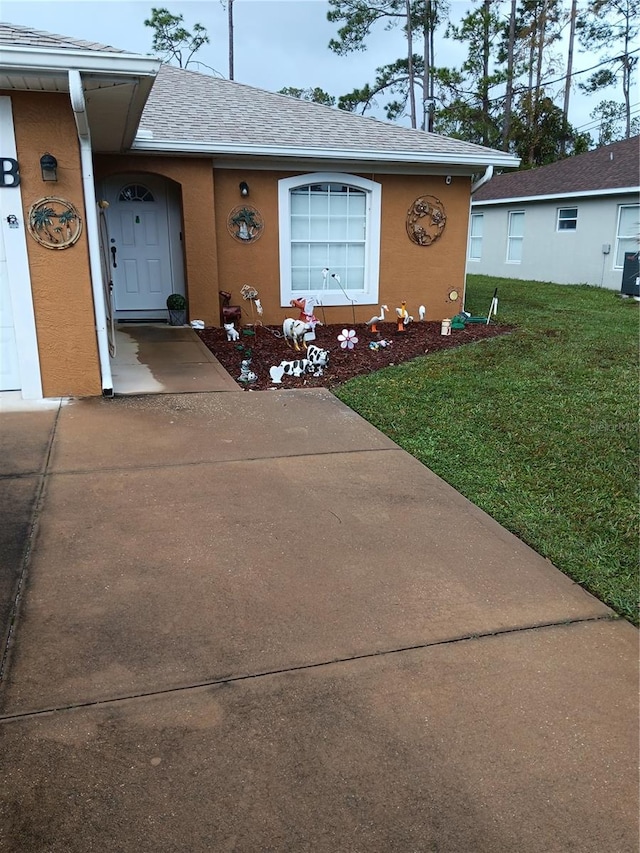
250 622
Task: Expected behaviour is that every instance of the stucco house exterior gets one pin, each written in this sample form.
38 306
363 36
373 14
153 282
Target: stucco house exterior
125 180
570 222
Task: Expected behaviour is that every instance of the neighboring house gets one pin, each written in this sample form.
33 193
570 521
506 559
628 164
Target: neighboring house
570 222
124 180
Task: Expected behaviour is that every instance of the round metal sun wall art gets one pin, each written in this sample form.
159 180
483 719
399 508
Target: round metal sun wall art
245 224
54 223
426 220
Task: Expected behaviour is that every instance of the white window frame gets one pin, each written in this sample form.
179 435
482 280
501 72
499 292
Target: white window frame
560 219
475 239
511 238
373 191
620 236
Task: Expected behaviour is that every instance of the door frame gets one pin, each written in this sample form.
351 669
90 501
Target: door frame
173 201
17 259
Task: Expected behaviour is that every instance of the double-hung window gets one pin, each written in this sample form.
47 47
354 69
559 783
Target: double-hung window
567 218
475 236
329 238
627 232
515 236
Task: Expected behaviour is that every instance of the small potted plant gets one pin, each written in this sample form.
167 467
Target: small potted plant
177 305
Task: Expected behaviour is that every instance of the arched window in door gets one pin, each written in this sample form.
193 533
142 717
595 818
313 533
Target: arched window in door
135 192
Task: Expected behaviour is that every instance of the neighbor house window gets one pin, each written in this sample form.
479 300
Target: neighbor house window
567 218
329 221
628 232
515 236
475 237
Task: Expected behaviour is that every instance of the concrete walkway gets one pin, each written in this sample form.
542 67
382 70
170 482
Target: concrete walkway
250 622
153 358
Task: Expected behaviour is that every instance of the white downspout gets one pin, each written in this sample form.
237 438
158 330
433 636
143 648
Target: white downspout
483 180
76 94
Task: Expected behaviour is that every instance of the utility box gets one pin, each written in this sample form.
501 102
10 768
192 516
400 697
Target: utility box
631 275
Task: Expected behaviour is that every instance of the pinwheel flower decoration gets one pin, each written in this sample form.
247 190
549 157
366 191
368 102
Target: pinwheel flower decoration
348 339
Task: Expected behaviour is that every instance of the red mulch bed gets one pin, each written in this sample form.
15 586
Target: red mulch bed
268 348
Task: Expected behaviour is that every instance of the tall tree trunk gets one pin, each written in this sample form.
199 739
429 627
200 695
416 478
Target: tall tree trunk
412 89
427 123
626 79
485 71
230 18
432 26
567 85
508 101
539 41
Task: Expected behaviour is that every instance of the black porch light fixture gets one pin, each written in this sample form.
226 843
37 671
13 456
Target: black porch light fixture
49 167
244 189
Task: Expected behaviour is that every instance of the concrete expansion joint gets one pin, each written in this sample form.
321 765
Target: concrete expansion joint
197 462
233 679
26 557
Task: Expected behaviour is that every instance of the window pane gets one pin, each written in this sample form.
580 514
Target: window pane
475 248
338 228
338 204
516 224
300 278
355 255
356 228
300 203
627 244
300 227
515 249
476 225
319 227
319 256
357 203
299 254
355 278
337 258
629 225
319 204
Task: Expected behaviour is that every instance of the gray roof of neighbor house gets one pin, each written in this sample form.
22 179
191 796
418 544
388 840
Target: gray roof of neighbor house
17 35
615 166
187 107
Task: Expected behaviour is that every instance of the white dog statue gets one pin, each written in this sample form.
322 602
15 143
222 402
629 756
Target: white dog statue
232 332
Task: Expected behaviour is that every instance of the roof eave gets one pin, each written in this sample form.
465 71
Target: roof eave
471 161
16 58
559 195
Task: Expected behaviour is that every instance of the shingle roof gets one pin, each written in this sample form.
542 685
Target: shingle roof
15 34
204 112
190 107
610 167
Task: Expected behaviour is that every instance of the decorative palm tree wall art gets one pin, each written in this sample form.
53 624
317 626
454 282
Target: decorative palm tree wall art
54 223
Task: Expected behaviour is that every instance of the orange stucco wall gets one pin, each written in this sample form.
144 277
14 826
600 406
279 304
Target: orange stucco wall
215 261
60 279
195 179
416 274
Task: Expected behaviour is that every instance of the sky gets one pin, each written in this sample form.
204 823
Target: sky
277 43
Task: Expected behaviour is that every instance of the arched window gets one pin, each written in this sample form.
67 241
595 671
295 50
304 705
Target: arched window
329 221
135 192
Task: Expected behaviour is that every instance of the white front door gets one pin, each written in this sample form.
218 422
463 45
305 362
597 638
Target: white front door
9 364
139 247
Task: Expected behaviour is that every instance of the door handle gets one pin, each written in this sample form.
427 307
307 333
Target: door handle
113 256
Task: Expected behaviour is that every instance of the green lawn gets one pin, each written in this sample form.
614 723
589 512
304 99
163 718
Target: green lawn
538 428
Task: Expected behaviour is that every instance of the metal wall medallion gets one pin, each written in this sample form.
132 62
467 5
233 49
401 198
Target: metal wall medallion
54 223
426 220
245 224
